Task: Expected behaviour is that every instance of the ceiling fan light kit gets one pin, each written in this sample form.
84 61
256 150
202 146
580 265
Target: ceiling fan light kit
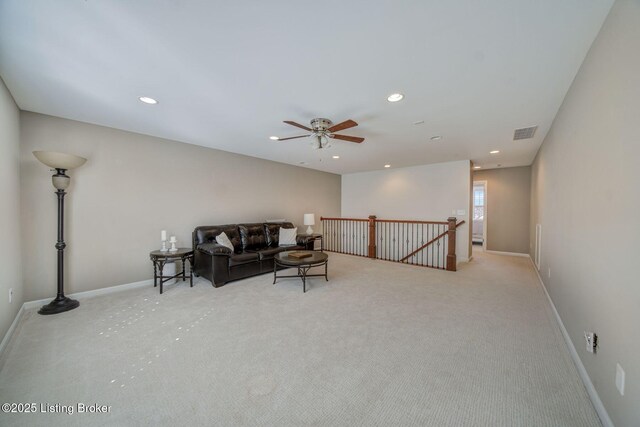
322 130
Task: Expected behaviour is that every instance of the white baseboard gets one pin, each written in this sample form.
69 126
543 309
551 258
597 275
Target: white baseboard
591 390
94 293
79 295
507 253
9 333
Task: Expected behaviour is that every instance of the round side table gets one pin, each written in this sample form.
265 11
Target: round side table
159 259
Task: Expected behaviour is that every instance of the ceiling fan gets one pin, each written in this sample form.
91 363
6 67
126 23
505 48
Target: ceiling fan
323 129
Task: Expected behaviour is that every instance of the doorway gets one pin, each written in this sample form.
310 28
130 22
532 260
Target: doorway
479 226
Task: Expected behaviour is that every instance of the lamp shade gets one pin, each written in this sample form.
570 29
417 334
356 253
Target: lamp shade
309 219
59 160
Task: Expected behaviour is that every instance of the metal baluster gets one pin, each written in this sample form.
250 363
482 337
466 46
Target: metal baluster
434 229
351 223
396 242
421 253
405 239
413 245
332 245
334 225
351 237
444 248
386 232
415 257
388 224
333 236
440 247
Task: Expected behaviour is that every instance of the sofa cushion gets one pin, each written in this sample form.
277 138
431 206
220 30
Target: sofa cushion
252 236
242 258
208 234
272 230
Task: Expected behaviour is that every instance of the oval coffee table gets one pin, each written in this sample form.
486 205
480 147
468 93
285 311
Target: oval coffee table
316 259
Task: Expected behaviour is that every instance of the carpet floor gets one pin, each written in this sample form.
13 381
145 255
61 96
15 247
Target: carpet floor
379 344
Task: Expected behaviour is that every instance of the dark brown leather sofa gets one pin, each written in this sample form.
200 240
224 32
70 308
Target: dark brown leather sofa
254 244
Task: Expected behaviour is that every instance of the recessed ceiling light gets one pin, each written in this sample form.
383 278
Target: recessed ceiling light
395 97
436 138
148 100
336 157
477 167
387 166
274 138
419 122
494 152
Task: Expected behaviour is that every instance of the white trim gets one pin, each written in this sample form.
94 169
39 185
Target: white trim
593 394
9 333
508 253
94 293
537 254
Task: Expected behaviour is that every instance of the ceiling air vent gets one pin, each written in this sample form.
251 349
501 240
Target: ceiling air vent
524 133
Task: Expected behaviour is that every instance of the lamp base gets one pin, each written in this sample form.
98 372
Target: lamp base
309 231
59 305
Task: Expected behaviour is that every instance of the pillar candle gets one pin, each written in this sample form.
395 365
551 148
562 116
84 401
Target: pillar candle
163 235
172 239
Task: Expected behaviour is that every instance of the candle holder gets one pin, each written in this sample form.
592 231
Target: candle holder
164 246
173 244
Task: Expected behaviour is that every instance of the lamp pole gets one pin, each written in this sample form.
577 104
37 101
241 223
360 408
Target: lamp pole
60 303
61 162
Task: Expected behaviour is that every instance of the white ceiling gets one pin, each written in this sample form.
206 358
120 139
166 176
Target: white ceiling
227 73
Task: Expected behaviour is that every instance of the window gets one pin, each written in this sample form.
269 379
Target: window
478 203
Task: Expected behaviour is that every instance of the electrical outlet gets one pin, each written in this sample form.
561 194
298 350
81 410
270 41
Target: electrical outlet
592 341
10 295
620 379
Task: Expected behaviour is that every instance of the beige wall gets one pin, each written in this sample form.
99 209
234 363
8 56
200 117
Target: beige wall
585 195
429 192
10 254
132 187
508 199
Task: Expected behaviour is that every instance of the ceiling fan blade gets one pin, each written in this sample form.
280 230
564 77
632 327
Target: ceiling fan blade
297 125
342 126
348 138
292 137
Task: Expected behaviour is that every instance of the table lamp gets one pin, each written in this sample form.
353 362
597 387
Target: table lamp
309 219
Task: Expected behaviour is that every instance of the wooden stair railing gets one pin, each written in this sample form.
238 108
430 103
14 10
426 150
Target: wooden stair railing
452 238
390 239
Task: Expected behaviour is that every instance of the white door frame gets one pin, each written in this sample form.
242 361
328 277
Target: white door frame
485 184
537 254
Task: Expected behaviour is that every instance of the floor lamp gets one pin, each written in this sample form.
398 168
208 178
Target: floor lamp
61 162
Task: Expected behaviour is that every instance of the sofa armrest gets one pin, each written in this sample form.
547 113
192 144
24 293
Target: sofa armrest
303 239
214 249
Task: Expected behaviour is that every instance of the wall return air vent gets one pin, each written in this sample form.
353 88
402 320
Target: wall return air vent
524 133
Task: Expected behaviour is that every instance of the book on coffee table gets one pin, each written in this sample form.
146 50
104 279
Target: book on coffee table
299 255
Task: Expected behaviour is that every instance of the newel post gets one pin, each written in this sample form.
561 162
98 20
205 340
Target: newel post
372 236
451 236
